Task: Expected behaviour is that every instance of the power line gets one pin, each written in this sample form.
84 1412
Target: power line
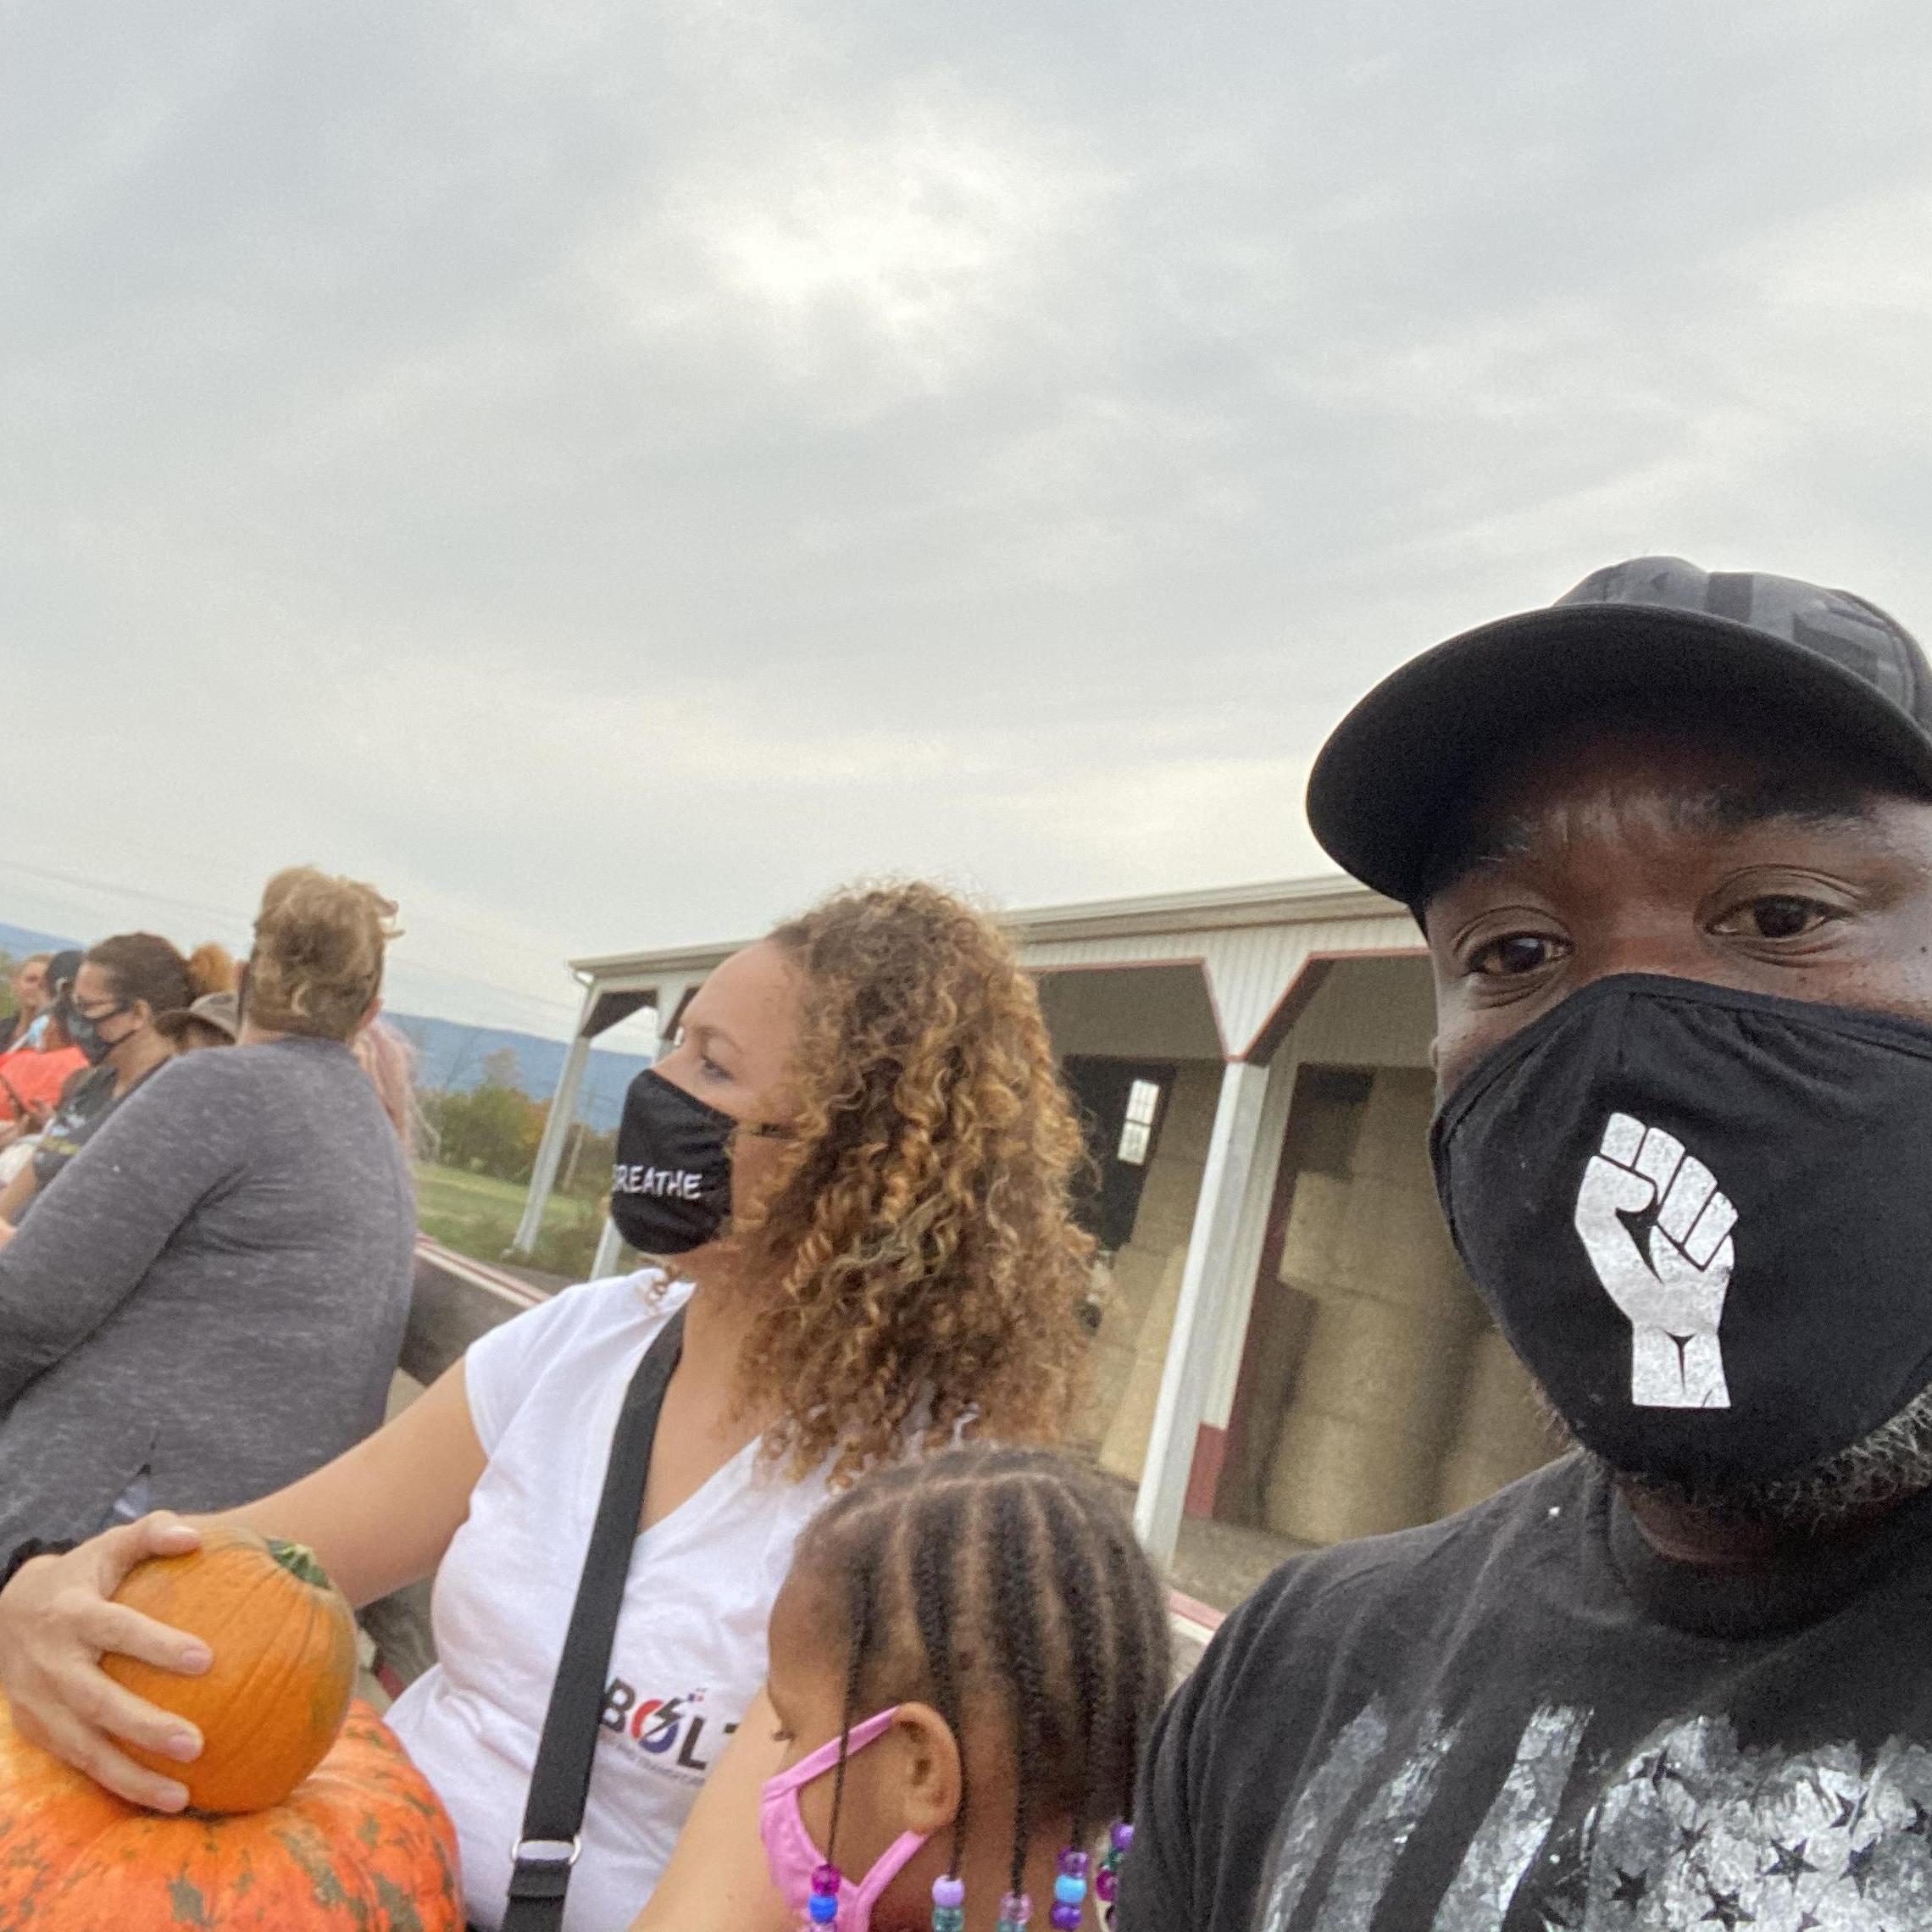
227 914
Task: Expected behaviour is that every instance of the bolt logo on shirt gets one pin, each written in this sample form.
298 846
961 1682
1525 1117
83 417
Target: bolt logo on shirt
1669 1272
672 1732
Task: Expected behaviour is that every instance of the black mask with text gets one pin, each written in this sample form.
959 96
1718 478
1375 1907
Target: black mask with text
670 1190
1703 1219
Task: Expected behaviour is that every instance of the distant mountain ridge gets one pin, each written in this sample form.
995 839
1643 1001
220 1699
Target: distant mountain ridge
19 940
451 1054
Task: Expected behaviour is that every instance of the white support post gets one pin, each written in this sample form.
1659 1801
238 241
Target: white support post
1244 1266
1204 1285
609 1243
556 1129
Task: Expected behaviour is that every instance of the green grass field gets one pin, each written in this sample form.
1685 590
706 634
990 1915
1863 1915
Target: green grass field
477 1215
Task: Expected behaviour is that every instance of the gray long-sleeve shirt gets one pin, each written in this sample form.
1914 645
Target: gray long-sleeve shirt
209 1300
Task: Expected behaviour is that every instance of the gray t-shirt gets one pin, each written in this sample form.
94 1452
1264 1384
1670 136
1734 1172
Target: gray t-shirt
209 1300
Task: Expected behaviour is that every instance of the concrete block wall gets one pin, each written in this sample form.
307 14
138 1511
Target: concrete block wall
1377 1390
1406 1402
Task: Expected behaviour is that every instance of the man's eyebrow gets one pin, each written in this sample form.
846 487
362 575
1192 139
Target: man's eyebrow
1468 849
1733 808
1465 849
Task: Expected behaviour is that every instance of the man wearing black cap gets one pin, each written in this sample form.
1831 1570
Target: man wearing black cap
1670 843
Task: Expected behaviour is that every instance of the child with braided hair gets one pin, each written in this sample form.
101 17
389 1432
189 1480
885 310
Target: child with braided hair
966 1661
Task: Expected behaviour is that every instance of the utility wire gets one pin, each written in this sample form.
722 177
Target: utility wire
228 917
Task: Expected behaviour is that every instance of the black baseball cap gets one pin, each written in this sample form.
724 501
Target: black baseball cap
1654 631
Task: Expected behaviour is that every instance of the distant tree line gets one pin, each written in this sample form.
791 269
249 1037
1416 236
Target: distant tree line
494 1128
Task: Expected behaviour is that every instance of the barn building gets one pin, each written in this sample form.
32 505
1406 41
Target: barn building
1286 1348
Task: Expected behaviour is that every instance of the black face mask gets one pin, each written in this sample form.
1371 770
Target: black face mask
85 1033
670 1190
1703 1218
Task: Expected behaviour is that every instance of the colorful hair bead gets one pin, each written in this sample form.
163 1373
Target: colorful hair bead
1016 1913
1106 1879
1070 1891
823 1906
949 1904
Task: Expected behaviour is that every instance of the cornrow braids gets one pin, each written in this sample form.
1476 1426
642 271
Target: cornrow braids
1087 1638
1003 1586
862 1608
938 1545
1017 1629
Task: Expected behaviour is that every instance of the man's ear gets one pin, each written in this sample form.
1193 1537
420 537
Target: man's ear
370 1013
928 1774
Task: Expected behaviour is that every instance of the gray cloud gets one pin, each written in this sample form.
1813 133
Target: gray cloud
607 473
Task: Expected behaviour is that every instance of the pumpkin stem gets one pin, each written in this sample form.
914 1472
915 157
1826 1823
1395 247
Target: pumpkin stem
300 1562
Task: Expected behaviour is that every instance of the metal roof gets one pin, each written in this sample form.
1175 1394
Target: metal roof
1254 945
1281 902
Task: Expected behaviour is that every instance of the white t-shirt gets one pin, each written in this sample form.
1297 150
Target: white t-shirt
690 1655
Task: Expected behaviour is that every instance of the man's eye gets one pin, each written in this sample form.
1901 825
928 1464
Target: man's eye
1780 917
1513 954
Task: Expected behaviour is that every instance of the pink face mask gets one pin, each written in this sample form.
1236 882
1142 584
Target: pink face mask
794 1859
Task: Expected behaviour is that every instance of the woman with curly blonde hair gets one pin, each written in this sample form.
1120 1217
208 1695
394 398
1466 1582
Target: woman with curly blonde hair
854 1164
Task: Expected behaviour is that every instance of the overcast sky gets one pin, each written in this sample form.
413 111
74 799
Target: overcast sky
607 472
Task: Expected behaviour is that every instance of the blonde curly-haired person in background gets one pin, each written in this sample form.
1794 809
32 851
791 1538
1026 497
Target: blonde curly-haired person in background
880 1257
208 1298
388 1056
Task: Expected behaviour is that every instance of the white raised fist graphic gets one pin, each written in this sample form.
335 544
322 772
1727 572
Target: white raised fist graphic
1673 1297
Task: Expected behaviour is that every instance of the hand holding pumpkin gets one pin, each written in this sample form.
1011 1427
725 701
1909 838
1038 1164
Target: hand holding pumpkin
58 1620
299 1820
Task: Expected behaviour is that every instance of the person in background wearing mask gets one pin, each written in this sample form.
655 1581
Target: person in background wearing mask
122 991
30 1000
1670 844
209 1299
34 1074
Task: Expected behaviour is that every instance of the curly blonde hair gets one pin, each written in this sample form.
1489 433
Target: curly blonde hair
925 1269
317 962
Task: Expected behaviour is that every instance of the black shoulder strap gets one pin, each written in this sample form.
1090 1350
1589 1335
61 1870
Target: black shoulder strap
560 1781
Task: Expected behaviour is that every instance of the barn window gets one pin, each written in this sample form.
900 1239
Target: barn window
1137 1131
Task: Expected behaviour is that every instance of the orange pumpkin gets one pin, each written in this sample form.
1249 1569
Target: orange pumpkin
364 1844
284 1665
